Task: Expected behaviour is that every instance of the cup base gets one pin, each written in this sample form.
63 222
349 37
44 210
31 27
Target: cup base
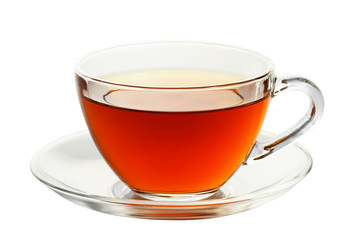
121 190
176 197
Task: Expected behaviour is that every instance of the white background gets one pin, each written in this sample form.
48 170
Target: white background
42 39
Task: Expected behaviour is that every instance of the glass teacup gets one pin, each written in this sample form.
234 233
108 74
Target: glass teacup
175 120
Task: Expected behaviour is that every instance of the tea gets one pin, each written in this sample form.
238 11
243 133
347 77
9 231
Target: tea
174 142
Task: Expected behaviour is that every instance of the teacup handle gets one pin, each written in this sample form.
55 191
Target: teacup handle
316 109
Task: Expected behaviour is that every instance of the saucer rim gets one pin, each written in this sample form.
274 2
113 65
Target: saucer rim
260 194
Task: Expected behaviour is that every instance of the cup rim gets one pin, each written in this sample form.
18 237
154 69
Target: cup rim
268 72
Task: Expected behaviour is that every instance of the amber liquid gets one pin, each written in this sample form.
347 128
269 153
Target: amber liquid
174 151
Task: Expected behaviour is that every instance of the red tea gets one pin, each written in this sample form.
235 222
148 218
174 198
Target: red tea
174 151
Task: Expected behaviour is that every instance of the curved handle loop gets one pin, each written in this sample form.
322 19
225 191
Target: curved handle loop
263 149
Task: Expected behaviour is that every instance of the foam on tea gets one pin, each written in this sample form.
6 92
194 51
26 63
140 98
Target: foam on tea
173 141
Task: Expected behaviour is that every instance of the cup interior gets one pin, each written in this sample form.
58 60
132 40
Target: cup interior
174 55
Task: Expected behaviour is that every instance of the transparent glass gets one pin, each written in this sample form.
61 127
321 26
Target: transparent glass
174 139
73 167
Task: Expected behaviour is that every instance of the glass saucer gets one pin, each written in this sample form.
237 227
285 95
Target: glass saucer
73 168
